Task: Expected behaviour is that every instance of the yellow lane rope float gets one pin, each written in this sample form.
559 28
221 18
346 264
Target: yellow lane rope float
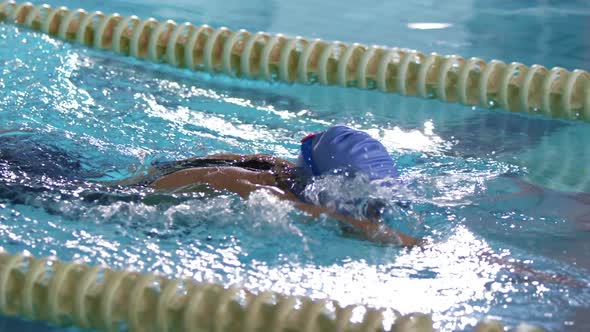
514 87
100 298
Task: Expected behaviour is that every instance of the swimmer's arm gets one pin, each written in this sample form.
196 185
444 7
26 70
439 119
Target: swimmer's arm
244 182
234 179
369 230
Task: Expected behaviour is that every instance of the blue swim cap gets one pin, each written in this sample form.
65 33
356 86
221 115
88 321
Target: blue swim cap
341 148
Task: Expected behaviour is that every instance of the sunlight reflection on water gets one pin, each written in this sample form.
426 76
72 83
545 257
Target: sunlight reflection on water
110 117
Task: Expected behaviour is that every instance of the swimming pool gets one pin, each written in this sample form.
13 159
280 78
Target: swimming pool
460 164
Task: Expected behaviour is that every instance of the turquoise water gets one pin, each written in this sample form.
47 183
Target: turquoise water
464 168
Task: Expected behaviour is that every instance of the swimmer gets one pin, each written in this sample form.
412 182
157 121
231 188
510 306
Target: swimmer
338 149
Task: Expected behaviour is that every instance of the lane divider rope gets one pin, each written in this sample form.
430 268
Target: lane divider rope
65 293
93 297
514 87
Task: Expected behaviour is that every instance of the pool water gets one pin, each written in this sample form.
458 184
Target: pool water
500 197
